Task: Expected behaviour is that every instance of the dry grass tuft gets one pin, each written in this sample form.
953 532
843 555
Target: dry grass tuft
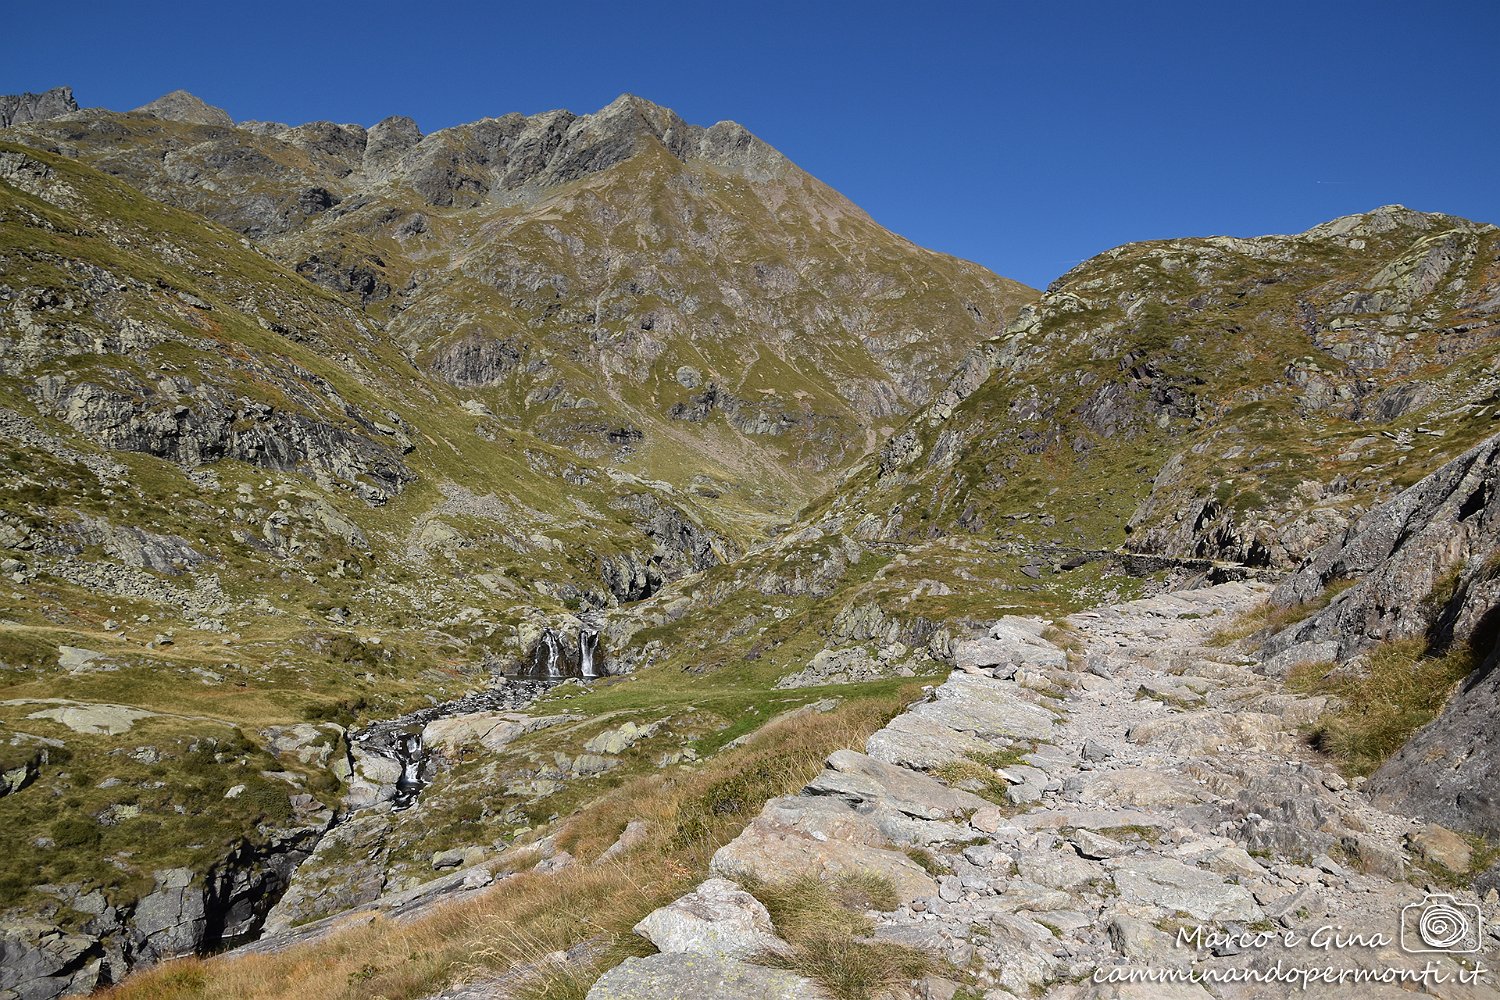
825 924
1379 709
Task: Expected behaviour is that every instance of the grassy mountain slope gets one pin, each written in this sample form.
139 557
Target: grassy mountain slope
608 281
1189 401
255 489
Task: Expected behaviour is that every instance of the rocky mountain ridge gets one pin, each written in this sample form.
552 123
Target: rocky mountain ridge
519 257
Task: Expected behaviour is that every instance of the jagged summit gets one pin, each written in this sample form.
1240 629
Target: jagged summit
464 164
17 109
182 106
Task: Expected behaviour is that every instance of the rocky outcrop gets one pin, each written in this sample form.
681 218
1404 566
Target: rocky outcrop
360 277
1427 567
18 109
683 544
1449 771
207 429
186 912
475 359
1421 565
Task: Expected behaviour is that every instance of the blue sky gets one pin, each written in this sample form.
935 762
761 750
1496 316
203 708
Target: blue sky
1025 136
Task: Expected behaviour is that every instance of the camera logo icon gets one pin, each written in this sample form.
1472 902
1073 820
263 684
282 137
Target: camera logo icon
1440 923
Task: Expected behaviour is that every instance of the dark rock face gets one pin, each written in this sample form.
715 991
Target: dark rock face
17 109
684 544
362 278
1445 527
211 429
1428 563
1449 772
186 913
475 360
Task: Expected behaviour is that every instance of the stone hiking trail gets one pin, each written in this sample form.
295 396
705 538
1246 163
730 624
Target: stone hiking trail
1161 784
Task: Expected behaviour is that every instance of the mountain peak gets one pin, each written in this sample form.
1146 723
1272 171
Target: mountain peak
182 106
1388 218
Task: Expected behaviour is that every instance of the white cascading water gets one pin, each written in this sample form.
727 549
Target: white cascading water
554 653
587 641
409 784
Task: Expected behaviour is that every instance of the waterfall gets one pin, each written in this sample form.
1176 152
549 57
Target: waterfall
554 654
408 752
588 641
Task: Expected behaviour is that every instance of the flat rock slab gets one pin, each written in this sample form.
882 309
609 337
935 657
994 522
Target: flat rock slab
76 659
987 708
1090 819
1180 888
824 818
699 977
1142 787
827 818
767 851
491 730
718 919
923 742
94 720
859 778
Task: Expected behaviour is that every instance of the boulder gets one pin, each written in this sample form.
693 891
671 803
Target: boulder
986 708
374 779
769 851
922 743
618 740
1139 940
717 919
1442 846
636 833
